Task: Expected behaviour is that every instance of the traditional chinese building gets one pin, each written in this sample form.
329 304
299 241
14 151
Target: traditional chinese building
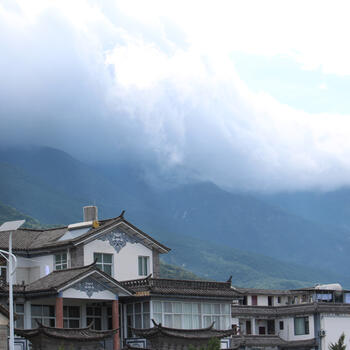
95 273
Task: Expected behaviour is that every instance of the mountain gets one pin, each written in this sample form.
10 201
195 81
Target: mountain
215 262
176 272
11 214
233 232
238 220
331 208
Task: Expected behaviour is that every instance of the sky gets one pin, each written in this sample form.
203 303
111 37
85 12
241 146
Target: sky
251 95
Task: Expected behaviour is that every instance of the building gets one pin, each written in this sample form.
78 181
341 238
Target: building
100 275
309 318
4 320
98 280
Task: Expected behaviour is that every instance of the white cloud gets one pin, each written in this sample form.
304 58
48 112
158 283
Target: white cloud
105 80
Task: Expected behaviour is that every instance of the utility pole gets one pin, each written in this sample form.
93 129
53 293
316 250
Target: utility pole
11 226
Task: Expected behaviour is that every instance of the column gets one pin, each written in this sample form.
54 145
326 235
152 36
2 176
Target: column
253 326
59 312
27 315
115 323
83 323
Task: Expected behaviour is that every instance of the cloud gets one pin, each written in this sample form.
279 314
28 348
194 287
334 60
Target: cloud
109 83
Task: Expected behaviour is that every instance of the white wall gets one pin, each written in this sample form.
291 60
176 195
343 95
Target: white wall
31 269
3 320
334 326
262 300
125 263
288 332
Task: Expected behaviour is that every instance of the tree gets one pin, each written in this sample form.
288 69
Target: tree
339 345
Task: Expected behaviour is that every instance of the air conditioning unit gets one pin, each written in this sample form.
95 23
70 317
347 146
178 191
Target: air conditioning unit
322 333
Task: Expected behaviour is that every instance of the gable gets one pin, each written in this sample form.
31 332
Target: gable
93 286
122 233
89 288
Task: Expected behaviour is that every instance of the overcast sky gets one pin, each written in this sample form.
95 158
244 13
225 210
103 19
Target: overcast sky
252 95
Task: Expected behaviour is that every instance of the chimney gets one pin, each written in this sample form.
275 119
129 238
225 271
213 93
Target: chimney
90 213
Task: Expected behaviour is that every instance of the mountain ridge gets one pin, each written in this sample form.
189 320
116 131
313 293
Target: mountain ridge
200 211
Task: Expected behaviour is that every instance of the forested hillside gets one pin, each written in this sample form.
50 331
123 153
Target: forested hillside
213 233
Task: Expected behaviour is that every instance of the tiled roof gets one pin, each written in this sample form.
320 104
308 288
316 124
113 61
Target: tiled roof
254 291
25 239
58 279
162 286
36 240
203 333
269 341
81 334
296 309
4 311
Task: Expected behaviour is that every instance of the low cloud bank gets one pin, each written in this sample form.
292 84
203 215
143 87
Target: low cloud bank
103 86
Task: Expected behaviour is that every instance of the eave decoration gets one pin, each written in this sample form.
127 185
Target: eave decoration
117 239
89 286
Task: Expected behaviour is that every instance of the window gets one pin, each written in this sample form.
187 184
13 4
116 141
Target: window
19 323
138 315
71 316
143 265
192 315
281 325
270 326
347 298
94 316
254 300
61 261
270 300
44 314
262 330
279 300
104 262
301 325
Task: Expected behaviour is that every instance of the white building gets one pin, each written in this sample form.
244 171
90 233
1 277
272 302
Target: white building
310 318
104 273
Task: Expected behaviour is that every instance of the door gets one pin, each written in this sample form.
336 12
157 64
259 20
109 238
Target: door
248 327
270 326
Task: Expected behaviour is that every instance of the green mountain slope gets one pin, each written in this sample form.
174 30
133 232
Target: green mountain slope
10 214
176 272
208 261
330 208
52 186
31 196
